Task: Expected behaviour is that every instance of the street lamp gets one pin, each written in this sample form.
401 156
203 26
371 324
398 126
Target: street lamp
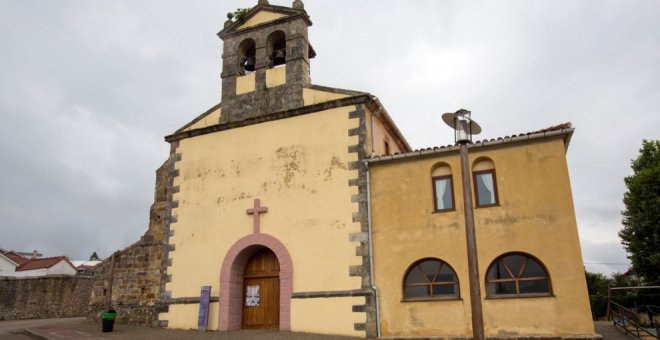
464 127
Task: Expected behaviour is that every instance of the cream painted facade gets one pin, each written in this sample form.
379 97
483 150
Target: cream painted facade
291 166
286 164
307 154
535 216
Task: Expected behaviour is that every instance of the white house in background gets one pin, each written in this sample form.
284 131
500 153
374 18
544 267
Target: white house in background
7 266
30 255
18 264
58 265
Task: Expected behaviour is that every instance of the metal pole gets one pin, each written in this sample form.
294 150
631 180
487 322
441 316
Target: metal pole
609 302
473 266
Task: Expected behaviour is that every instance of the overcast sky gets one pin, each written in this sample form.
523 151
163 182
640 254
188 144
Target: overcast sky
89 88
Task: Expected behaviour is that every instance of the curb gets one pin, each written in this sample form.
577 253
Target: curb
30 333
34 335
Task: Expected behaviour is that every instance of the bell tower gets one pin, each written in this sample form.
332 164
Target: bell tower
265 61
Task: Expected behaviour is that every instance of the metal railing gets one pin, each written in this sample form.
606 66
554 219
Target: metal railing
629 321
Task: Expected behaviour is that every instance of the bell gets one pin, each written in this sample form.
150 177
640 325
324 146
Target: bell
279 57
248 64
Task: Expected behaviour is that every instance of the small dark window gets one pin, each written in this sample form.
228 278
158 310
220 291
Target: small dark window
430 279
485 188
517 274
387 147
443 193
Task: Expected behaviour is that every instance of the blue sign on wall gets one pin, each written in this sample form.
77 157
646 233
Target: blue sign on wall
204 300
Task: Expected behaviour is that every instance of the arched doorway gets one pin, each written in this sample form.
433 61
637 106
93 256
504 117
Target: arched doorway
232 287
261 291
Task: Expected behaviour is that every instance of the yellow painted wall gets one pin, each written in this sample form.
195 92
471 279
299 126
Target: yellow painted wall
260 18
184 316
246 83
379 135
295 170
535 216
311 96
212 118
327 315
276 76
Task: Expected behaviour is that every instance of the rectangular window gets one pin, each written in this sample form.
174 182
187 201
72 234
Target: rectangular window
485 188
443 193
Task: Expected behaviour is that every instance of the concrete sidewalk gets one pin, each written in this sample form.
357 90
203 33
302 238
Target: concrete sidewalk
79 329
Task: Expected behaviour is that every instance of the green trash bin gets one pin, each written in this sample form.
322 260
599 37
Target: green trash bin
108 320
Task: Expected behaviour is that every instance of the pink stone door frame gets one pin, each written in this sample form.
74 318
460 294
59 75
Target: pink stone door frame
231 280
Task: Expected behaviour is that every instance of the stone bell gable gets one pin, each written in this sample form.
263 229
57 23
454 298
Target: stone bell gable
265 61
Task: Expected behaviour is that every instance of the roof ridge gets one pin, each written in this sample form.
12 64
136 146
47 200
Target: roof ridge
566 128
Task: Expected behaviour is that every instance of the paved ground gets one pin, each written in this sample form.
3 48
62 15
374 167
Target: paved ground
8 328
79 329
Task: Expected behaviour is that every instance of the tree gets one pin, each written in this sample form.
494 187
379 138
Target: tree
94 257
597 283
640 235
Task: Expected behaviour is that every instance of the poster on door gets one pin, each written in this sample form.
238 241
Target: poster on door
252 296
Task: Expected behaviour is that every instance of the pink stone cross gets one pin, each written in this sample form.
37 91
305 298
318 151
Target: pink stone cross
256 211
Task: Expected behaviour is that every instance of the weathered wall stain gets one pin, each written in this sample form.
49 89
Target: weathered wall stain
335 163
241 196
289 161
443 226
511 220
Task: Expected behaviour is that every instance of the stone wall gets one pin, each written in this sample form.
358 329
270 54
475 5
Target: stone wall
133 280
44 297
132 276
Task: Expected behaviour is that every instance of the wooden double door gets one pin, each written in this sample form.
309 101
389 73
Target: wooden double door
261 291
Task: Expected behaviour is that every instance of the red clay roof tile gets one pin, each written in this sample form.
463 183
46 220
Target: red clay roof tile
41 263
18 259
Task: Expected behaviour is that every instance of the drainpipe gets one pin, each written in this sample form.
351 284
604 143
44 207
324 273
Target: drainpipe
373 145
371 252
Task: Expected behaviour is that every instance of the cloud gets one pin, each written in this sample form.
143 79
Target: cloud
604 257
88 90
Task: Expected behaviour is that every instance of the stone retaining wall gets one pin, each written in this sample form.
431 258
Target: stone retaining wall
135 280
44 297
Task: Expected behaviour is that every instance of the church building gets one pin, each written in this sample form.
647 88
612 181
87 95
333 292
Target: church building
304 208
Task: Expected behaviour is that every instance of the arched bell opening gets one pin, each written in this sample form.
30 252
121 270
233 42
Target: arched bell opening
247 56
276 43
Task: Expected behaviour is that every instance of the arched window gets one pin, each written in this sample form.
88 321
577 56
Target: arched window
247 56
276 43
443 188
517 274
430 279
485 183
